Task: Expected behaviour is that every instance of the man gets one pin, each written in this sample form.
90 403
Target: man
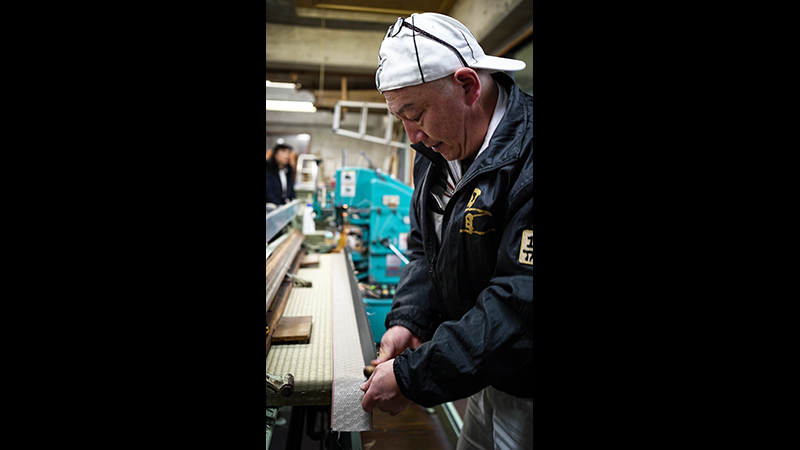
461 323
280 177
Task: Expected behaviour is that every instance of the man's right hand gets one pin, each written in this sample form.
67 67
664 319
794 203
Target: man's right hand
395 341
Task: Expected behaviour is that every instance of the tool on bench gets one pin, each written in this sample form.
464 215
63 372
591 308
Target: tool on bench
297 281
284 386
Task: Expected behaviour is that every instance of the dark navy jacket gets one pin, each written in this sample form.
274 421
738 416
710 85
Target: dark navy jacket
470 299
274 188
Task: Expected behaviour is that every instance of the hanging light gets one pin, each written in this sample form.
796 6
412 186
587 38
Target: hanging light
286 105
276 85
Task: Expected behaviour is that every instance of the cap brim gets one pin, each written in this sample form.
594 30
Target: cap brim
495 63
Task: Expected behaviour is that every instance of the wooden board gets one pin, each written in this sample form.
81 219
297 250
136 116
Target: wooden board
310 260
276 310
293 330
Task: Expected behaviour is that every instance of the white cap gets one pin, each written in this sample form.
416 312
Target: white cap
429 46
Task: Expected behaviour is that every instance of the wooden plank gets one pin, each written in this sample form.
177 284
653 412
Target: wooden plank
279 264
293 330
310 260
276 309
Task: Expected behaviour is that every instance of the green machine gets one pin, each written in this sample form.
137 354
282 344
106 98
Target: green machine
374 207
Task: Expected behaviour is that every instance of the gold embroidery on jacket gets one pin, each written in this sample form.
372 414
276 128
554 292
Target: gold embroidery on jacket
470 218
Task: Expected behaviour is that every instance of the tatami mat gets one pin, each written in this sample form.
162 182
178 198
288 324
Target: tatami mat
311 364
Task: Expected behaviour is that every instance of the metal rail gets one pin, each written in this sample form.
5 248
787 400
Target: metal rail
362 127
368 349
451 422
278 219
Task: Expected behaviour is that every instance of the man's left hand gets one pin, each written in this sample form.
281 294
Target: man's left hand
382 391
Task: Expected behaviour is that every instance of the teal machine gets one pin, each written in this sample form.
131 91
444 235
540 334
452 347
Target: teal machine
375 207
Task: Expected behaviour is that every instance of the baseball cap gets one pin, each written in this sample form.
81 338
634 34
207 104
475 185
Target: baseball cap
428 46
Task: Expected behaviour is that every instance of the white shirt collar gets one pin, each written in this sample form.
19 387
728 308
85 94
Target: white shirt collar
499 112
282 175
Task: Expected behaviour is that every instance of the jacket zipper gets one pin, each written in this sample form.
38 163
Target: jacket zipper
445 224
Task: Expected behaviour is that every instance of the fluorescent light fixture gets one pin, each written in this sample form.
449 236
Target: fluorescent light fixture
304 137
281 105
271 84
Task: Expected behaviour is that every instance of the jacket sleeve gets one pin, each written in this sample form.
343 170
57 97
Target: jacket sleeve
493 341
273 189
415 305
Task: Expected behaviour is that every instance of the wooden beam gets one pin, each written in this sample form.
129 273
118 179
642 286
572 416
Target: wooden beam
525 35
344 93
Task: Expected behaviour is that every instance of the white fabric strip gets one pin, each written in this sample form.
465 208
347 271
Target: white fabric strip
348 360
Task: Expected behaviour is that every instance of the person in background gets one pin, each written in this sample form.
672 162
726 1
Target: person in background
461 323
280 176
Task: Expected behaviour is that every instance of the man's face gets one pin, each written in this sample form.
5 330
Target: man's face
434 114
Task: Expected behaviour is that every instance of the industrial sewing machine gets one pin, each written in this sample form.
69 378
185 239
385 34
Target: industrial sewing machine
375 207
372 211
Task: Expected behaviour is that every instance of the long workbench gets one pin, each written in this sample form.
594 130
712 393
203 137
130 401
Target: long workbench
311 363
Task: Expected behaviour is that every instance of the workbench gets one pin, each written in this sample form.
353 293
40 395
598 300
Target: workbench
311 363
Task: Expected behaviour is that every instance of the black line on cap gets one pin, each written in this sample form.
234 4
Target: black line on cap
470 47
416 51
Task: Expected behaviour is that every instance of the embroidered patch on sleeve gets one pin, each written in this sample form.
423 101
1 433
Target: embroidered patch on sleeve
526 249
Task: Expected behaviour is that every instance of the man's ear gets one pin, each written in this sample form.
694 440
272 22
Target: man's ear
468 81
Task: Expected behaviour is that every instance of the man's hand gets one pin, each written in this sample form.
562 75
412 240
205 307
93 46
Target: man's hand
382 391
395 341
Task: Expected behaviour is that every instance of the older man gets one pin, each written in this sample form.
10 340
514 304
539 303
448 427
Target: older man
461 324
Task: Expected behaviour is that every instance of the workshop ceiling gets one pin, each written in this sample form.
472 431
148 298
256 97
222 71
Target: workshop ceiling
356 15
349 14
395 7
327 46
